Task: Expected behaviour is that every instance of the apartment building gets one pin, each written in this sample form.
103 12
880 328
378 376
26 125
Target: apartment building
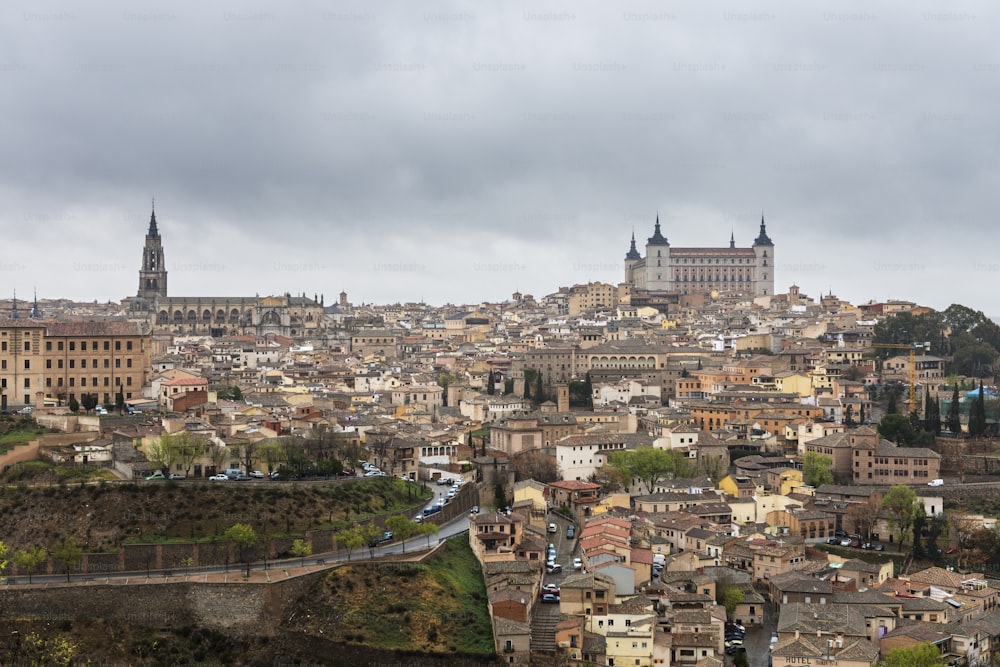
52 362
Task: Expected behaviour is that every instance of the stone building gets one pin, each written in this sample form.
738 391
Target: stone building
701 270
284 315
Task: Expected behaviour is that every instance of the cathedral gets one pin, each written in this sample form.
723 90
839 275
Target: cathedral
286 315
701 270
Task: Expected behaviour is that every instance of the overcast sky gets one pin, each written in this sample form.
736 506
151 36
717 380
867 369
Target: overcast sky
457 152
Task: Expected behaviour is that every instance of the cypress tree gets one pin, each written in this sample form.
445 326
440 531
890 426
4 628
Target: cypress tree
954 420
491 384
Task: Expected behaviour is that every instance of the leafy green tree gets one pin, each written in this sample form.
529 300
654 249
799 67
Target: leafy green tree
402 528
427 528
230 393
74 405
897 428
731 597
68 553
244 537
499 497
186 449
3 562
903 328
303 548
816 469
351 539
920 655
900 504
741 660
29 559
650 465
120 401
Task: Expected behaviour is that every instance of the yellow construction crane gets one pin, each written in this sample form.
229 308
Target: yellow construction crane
912 347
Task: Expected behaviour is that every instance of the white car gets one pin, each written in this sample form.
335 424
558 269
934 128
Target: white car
218 478
577 564
257 474
553 528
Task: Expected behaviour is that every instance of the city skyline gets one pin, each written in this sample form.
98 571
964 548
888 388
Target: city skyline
458 153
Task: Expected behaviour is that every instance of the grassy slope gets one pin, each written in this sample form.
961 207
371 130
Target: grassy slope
437 607
101 517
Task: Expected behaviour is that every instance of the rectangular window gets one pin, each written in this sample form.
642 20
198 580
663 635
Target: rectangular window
59 346
72 346
107 346
128 345
27 364
48 346
83 346
118 345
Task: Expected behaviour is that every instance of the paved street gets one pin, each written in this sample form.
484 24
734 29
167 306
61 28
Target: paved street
757 640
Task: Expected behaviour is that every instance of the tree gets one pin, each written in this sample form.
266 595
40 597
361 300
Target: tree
427 528
273 454
29 559
861 416
351 539
977 414
369 535
248 454
897 428
230 393
649 465
3 563
402 528
218 455
849 416
499 497
891 406
862 517
244 537
731 597
491 384
537 465
539 393
920 655
740 659
120 401
301 548
919 528
67 552
816 469
74 405
88 401
186 449
954 412
900 503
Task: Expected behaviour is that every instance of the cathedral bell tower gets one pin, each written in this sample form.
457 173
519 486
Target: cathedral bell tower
153 274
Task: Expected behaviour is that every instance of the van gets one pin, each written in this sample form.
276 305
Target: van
936 482
234 473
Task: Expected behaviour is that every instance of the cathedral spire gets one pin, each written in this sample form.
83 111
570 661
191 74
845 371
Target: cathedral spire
732 239
153 231
14 315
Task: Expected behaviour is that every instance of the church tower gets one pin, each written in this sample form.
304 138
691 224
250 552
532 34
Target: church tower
763 249
153 274
657 260
631 259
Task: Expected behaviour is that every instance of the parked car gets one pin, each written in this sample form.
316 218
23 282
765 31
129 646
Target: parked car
550 597
846 542
257 474
570 532
553 528
374 473
451 493
856 544
443 481
738 627
553 568
349 472
879 547
868 546
474 510
218 478
177 475
833 540
551 588
156 475
577 563
26 410
275 475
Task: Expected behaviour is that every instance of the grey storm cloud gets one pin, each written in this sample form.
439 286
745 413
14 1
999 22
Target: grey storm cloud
459 151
